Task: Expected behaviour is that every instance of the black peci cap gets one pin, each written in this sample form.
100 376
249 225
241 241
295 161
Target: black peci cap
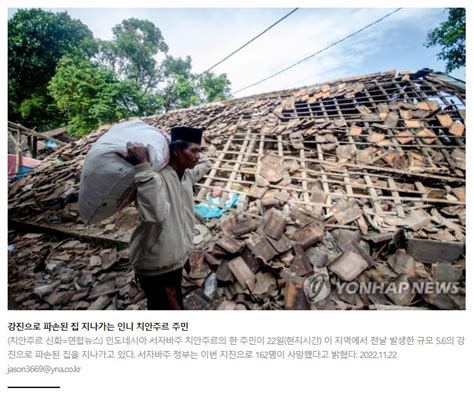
185 133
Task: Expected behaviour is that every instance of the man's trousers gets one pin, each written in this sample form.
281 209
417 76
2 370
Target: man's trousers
163 292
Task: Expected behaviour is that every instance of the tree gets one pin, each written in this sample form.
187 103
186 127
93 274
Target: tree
37 40
178 90
182 88
132 50
213 87
59 74
90 95
185 91
451 36
171 67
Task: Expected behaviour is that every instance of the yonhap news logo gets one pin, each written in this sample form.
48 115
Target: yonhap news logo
317 287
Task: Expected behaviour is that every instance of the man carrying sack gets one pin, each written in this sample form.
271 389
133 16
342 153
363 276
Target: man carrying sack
161 242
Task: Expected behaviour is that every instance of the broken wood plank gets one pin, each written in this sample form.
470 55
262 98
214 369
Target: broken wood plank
396 195
242 273
62 232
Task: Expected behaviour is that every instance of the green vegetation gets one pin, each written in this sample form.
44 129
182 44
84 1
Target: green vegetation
60 75
37 40
451 36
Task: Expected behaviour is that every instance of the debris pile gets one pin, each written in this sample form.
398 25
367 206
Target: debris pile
287 260
357 180
49 196
291 259
70 274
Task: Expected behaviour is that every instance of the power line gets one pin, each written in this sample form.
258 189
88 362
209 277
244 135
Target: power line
320 51
248 42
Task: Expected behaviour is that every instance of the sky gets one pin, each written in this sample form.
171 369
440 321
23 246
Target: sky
207 35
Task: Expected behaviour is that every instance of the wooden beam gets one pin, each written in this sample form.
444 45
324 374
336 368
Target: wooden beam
215 167
27 226
30 132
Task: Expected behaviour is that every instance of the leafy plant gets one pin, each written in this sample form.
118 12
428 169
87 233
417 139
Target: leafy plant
451 36
37 40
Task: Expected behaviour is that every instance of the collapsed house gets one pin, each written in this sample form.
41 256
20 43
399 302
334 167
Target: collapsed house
355 181
26 147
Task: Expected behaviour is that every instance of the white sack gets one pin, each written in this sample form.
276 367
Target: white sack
107 181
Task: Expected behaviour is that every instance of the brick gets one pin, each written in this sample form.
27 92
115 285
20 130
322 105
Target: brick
224 274
81 294
402 263
95 260
376 237
244 227
275 225
392 120
211 259
227 224
271 168
401 292
456 129
317 257
412 123
404 137
242 273
375 137
265 284
348 266
282 196
230 244
309 234
445 120
417 220
427 136
199 268
301 264
295 297
346 211
300 217
86 278
445 272
431 251
250 260
282 245
355 130
109 258
59 298
261 248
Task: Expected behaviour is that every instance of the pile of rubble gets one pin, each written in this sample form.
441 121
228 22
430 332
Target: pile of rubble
49 196
351 183
292 260
69 274
242 262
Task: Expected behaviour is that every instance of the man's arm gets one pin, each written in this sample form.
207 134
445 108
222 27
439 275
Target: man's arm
153 206
203 166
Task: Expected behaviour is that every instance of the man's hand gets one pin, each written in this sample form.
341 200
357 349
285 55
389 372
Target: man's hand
136 154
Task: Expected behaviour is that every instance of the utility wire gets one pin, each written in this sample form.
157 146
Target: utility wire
320 51
248 42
